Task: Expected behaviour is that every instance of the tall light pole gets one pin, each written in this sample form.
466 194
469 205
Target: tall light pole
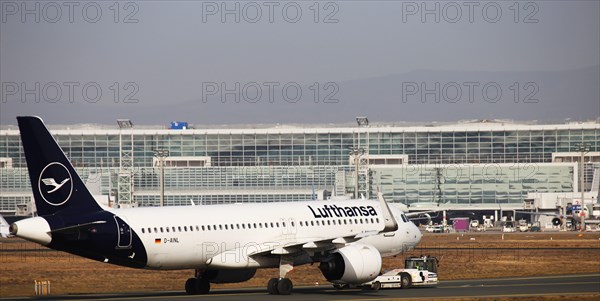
125 177
583 149
361 159
161 154
356 153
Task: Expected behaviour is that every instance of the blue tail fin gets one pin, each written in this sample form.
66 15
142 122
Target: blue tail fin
57 189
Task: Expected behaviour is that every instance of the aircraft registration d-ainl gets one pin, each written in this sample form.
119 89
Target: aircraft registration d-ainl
220 243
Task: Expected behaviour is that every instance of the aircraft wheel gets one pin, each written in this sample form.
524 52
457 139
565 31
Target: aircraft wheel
272 286
284 286
203 286
190 286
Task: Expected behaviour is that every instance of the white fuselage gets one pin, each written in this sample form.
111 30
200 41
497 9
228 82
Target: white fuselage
187 237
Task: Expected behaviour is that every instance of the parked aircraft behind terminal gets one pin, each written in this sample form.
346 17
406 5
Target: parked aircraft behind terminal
221 243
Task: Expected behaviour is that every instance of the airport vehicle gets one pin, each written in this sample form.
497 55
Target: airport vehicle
417 271
221 243
536 227
509 226
435 229
474 224
523 226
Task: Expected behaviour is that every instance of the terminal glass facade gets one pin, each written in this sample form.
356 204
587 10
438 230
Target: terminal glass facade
460 163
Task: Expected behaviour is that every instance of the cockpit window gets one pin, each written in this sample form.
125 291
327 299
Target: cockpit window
404 218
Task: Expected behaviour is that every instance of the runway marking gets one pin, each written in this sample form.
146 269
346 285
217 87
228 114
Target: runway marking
398 298
519 284
472 297
173 297
523 278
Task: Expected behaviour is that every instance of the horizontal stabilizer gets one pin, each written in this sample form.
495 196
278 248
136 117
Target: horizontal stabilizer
76 227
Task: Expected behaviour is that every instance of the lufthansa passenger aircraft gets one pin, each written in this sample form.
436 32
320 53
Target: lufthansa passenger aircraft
221 243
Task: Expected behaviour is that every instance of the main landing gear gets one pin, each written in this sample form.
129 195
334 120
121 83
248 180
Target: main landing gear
281 285
197 285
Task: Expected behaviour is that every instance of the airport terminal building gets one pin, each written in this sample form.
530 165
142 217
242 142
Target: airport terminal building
459 165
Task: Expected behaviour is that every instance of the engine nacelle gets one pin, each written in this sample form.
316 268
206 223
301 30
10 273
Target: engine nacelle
557 221
353 264
229 276
425 219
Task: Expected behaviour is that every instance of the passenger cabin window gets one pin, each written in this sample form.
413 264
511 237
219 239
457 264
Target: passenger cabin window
143 231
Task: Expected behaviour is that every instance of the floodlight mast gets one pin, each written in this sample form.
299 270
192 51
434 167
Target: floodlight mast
162 154
361 159
125 177
362 121
583 149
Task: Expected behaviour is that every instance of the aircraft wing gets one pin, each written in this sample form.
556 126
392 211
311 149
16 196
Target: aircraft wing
254 255
592 221
546 214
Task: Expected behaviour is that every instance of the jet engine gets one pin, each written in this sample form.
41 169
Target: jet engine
353 264
425 219
229 276
557 221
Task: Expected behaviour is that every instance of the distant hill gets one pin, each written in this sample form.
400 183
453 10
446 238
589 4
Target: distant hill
565 94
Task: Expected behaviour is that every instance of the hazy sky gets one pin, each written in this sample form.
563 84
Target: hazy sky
165 52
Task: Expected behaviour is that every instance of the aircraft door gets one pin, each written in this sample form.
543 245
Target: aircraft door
288 226
123 233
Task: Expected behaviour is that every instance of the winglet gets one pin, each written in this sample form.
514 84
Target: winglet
390 223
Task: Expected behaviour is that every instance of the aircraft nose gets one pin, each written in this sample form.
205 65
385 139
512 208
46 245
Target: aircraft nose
417 234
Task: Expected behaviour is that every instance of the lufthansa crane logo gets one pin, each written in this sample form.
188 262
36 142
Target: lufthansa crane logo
55 184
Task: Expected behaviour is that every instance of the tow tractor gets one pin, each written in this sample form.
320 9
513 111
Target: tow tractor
417 271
